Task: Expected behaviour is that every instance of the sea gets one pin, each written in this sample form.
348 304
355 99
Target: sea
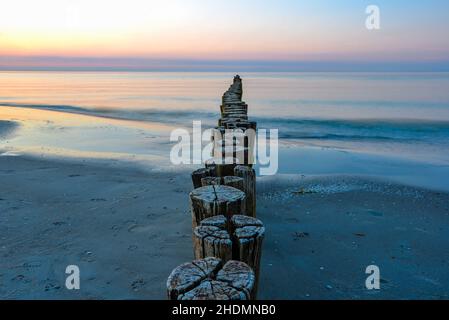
388 115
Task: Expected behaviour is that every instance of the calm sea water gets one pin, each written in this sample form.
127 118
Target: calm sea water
406 114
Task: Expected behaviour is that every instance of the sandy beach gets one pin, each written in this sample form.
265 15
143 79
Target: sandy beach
94 187
123 227
127 228
158 150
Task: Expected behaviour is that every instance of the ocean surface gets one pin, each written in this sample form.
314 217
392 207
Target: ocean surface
404 115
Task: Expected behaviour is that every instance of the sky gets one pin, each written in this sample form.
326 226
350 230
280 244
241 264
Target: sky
208 34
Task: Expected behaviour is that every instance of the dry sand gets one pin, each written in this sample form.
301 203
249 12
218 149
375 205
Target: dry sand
322 233
127 228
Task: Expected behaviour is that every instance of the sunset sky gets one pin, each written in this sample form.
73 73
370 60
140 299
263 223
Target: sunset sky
142 33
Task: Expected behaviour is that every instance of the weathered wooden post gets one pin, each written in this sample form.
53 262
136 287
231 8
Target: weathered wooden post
214 200
233 181
248 234
241 154
238 238
197 175
222 167
230 181
249 187
211 181
209 279
212 241
225 190
235 139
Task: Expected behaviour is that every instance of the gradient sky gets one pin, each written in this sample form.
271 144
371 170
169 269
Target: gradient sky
114 33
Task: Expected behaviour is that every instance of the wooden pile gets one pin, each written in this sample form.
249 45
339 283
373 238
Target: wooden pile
227 236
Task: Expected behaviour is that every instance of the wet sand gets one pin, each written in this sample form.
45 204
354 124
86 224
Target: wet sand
7 128
127 227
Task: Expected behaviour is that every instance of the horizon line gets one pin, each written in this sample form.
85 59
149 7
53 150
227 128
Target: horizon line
132 64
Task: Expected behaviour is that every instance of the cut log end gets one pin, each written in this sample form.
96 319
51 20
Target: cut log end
217 221
220 194
230 181
214 200
210 181
189 275
208 279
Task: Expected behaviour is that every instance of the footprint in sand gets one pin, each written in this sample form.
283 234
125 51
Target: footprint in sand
374 213
52 286
21 278
87 256
137 284
140 228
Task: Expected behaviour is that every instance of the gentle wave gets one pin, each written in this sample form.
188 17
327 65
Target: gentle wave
154 115
7 128
359 129
289 128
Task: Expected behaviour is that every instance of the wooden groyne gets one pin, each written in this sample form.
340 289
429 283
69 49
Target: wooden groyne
227 236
